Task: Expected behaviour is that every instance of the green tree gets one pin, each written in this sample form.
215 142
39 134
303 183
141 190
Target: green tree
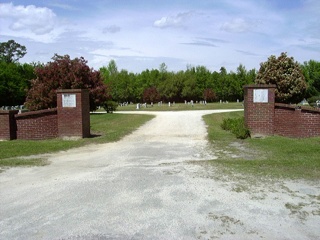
163 68
202 75
109 75
286 74
11 52
239 79
222 84
125 86
14 82
189 90
311 72
169 87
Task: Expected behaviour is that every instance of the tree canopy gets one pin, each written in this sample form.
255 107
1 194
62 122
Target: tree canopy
11 52
14 82
311 71
286 74
64 73
195 83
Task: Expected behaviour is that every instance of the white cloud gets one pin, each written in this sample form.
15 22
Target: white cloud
38 20
237 25
173 21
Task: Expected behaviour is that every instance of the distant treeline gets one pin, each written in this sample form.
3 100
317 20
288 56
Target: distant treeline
195 83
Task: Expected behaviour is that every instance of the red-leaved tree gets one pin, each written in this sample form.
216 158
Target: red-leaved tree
65 73
209 95
151 95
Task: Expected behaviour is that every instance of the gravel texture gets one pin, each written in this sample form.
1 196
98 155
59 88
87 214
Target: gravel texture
152 184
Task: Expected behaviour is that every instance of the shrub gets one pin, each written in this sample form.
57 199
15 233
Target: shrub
236 126
110 106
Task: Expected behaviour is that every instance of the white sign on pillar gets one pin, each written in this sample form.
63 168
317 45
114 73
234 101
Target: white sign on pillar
260 95
69 100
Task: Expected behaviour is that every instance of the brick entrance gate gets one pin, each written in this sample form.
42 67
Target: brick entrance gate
71 119
263 116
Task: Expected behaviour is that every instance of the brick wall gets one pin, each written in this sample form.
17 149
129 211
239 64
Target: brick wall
63 121
37 125
296 122
8 125
269 118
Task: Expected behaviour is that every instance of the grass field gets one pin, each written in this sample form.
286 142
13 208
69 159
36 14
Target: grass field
181 107
275 156
104 127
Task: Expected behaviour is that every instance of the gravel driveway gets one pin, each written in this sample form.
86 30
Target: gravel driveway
152 185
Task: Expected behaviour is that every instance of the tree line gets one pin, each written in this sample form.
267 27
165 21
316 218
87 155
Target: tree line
195 83
35 83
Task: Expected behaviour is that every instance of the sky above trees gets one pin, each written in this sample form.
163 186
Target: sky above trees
141 34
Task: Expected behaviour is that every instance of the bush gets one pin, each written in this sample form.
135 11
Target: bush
236 126
110 106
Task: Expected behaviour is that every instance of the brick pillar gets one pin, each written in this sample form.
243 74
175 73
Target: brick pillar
8 125
73 109
259 103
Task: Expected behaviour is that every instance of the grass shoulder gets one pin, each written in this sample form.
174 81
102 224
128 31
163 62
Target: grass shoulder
104 128
274 156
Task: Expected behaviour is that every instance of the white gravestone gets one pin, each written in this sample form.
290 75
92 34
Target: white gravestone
69 100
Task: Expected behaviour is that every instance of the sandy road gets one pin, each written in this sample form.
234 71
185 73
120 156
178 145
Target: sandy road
145 187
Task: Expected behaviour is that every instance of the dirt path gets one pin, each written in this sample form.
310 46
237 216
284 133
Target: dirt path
145 187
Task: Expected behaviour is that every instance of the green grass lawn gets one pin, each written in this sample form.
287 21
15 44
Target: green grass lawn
274 156
182 107
104 127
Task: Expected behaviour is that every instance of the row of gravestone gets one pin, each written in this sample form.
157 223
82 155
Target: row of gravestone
139 105
18 107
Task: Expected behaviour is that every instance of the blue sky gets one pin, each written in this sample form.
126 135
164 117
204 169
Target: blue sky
141 34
